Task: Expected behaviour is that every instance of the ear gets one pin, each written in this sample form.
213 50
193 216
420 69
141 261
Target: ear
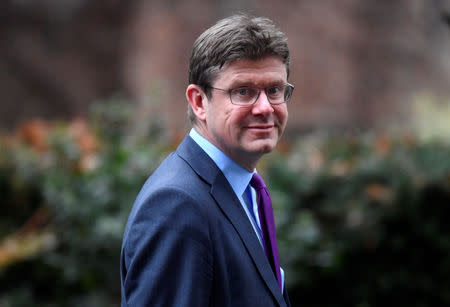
198 101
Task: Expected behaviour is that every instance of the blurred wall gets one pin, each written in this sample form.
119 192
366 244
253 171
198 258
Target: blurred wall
56 57
354 63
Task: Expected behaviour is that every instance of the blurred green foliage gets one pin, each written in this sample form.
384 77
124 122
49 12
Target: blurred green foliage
431 116
72 184
361 219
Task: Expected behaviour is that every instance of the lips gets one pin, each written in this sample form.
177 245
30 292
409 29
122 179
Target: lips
261 127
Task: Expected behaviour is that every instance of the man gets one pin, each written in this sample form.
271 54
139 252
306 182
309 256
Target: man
200 232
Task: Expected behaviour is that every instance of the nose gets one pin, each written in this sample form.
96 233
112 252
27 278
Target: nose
262 104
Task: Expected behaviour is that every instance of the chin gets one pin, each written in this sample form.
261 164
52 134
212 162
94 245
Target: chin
263 146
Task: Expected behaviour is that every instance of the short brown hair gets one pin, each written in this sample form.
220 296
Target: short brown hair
233 38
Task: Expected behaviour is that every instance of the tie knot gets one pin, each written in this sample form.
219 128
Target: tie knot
257 182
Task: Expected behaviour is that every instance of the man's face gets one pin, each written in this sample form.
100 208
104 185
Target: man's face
245 133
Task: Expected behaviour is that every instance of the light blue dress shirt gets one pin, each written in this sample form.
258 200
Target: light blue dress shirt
239 179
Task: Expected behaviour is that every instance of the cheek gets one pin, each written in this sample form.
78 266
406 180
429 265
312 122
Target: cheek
281 113
285 116
236 118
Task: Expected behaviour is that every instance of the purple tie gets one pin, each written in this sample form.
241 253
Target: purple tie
267 224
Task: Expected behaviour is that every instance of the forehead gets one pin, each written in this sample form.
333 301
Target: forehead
253 72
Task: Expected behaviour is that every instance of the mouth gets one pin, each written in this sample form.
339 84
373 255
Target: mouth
261 127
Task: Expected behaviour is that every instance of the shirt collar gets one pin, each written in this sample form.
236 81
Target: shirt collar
237 176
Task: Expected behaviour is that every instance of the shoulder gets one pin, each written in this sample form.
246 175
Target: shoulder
174 175
173 196
168 214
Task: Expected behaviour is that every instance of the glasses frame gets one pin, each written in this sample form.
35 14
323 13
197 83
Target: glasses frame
260 89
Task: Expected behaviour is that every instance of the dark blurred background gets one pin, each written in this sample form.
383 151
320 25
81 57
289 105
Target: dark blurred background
92 99
354 63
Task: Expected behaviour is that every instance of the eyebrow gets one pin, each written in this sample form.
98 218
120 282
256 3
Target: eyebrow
242 83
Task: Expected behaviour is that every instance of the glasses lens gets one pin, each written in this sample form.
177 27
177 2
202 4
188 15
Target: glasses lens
247 95
288 89
279 94
243 95
275 94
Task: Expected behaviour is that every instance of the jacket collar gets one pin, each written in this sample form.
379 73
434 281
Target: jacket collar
228 202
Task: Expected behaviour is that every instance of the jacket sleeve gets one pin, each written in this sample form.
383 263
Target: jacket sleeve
166 257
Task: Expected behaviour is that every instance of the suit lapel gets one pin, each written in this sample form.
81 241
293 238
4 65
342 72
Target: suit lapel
232 209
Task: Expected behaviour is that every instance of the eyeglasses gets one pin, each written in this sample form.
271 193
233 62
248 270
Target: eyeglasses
248 95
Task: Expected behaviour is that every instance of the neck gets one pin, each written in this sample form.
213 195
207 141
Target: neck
246 160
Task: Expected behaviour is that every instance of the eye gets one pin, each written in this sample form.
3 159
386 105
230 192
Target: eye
274 90
242 91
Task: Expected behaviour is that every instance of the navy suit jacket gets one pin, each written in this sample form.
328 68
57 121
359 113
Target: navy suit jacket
188 241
